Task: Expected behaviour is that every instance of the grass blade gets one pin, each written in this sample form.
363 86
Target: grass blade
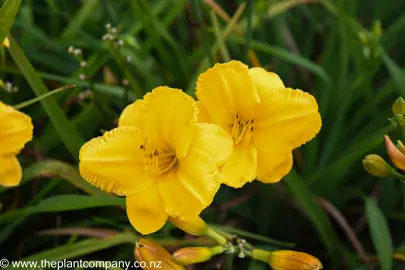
7 14
306 200
380 234
68 133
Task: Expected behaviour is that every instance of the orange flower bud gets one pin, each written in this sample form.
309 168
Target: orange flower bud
287 259
6 43
195 226
191 255
148 251
376 165
396 156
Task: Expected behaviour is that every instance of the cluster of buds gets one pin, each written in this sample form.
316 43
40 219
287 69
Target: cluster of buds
375 164
8 87
371 41
279 260
111 37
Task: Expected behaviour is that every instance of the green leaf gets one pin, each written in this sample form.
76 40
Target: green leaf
67 131
307 201
64 171
82 248
75 202
7 14
380 233
396 73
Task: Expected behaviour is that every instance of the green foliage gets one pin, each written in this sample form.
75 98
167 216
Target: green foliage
329 48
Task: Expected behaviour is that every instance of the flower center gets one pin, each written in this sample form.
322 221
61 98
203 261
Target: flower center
242 130
159 161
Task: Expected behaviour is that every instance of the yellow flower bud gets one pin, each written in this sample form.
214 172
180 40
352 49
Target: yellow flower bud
149 252
376 165
287 259
399 106
191 255
6 42
195 226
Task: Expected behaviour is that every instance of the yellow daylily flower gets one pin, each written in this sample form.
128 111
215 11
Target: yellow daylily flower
15 131
265 119
160 157
6 43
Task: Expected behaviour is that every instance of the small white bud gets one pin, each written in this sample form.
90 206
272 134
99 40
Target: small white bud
241 255
108 25
125 82
114 31
14 89
82 77
9 87
71 49
128 58
77 52
83 64
120 43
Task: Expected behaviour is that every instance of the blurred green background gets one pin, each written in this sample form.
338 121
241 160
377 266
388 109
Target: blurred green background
347 53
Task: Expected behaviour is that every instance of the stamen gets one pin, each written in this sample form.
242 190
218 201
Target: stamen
242 130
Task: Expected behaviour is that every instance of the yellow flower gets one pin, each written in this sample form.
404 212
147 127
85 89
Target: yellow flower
154 256
265 120
6 43
288 259
15 131
160 157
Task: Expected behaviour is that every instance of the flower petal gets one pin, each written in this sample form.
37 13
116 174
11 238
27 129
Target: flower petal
6 43
286 119
146 211
169 115
241 167
227 89
15 129
114 161
10 171
192 187
214 141
132 115
265 81
271 168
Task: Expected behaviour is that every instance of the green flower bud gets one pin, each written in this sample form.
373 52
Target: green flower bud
376 165
399 106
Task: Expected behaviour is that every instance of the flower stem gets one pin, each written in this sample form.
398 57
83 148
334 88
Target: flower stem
216 236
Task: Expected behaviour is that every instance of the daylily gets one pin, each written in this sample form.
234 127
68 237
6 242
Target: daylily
265 119
15 131
160 157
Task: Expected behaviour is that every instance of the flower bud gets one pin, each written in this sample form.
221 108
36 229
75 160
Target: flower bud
376 165
191 255
148 251
287 259
6 43
399 106
397 157
195 226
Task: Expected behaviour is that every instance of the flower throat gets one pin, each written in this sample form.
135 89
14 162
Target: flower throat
159 161
242 130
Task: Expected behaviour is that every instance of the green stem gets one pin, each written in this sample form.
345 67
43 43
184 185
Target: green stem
216 236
